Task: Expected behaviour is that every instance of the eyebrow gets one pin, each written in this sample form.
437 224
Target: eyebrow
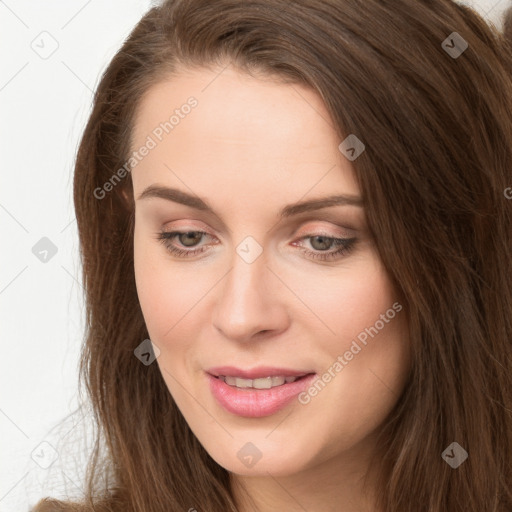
178 196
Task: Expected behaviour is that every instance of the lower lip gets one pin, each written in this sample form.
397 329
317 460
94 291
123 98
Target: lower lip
255 403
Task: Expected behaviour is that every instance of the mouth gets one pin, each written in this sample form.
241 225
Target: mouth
261 382
258 392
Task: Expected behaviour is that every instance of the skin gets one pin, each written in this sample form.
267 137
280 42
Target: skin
250 147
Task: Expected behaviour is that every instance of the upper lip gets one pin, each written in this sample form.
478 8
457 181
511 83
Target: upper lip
257 372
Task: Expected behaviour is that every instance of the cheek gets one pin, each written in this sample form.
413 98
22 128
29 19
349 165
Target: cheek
371 325
364 343
348 302
165 294
150 279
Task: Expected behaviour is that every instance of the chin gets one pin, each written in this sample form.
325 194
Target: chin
259 458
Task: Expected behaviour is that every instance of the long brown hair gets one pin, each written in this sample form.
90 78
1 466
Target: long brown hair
437 129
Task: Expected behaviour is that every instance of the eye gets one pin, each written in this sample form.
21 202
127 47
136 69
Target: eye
321 244
188 238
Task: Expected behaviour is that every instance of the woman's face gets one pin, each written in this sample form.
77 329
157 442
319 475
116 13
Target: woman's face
281 283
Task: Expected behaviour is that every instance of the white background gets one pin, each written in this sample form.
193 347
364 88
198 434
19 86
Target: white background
45 101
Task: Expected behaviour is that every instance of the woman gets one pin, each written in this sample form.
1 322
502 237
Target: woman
296 241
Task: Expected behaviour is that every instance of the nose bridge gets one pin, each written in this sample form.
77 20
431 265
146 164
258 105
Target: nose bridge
248 268
246 304
247 279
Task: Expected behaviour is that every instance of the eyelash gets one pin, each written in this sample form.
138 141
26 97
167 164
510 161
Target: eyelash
345 245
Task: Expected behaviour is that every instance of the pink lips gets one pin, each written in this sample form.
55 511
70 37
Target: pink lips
255 403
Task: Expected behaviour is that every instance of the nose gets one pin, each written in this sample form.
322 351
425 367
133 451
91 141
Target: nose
250 301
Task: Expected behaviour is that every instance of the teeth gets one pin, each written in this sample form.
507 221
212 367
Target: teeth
261 383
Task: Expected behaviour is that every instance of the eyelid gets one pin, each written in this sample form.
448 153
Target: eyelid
307 228
333 231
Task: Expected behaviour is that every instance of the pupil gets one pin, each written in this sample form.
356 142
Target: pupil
191 236
325 245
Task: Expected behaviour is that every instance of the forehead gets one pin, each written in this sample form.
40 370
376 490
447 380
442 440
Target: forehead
256 130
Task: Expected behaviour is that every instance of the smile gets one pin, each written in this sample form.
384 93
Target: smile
257 397
261 383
